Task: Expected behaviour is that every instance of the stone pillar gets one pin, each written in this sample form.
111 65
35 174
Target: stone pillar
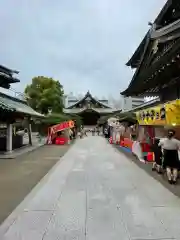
9 138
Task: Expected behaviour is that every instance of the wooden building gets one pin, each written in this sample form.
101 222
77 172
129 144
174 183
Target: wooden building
13 110
157 64
89 109
157 58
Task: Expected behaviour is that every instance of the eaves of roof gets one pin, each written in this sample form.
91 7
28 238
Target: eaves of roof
11 104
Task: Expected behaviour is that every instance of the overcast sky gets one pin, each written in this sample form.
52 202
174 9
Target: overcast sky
82 43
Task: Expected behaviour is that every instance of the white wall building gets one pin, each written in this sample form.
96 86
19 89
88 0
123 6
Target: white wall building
128 103
70 99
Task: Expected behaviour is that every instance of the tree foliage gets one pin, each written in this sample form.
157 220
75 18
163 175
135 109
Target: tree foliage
122 116
45 93
53 119
76 118
56 118
103 119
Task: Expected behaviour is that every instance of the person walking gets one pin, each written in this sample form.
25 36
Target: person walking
170 147
85 132
98 131
157 165
74 133
93 131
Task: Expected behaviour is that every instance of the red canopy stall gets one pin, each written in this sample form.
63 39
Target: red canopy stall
62 128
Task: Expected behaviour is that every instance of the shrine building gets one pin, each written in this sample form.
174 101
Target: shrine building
157 57
89 109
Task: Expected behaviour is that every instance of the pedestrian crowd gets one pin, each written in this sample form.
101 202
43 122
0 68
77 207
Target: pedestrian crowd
83 132
166 155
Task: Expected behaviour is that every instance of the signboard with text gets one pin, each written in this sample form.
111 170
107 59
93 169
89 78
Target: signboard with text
164 114
152 116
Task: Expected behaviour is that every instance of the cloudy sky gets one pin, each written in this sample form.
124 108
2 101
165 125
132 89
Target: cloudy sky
83 43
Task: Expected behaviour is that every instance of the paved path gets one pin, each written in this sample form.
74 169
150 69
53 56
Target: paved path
18 176
95 193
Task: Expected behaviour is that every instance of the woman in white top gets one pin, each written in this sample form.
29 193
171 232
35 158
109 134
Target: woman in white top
170 147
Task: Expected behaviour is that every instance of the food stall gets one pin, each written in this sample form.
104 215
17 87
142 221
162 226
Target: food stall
129 127
154 122
142 127
60 134
113 124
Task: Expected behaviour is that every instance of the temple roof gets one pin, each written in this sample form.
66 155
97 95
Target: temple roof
99 110
6 77
137 55
156 52
97 106
135 59
88 96
11 104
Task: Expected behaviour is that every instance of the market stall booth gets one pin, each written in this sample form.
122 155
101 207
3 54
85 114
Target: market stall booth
154 122
129 127
129 135
113 125
137 131
121 128
60 134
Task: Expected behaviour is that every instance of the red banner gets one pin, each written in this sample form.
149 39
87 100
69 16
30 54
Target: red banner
57 128
62 126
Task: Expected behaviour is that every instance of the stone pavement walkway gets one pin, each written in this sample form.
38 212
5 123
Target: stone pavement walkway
18 176
95 193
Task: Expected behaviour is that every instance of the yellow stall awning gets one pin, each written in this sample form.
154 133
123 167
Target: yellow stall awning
160 115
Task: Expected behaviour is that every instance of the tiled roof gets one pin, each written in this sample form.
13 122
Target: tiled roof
88 95
6 77
99 110
15 105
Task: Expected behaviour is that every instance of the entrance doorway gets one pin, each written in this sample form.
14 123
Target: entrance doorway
89 117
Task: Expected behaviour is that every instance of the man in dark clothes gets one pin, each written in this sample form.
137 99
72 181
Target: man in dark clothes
170 146
157 165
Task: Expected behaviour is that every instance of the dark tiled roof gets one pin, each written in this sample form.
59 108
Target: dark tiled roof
12 104
88 95
6 77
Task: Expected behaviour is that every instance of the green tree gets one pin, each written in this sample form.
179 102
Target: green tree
56 118
45 93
